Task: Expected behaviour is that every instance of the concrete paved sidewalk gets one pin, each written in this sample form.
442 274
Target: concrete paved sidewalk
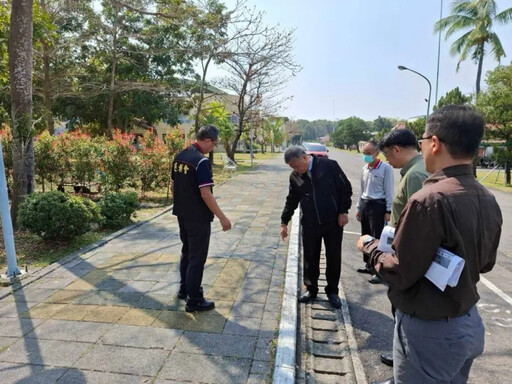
112 316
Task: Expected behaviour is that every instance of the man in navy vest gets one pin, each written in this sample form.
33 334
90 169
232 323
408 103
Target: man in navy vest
195 207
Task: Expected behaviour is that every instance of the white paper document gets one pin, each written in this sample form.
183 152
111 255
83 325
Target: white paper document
444 270
386 239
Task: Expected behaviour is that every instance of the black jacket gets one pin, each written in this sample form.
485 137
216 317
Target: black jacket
321 199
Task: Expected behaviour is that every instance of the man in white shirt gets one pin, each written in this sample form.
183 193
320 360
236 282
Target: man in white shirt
375 200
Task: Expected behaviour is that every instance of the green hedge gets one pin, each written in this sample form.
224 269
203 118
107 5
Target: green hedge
56 215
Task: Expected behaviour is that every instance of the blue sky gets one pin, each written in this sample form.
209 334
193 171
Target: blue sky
350 50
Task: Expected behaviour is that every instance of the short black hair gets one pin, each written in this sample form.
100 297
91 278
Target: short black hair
400 137
208 132
294 152
459 127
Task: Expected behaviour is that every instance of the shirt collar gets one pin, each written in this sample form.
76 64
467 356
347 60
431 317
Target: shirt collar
410 163
310 165
374 166
452 171
196 144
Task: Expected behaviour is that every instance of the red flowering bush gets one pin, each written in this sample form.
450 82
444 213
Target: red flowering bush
45 159
6 139
118 162
153 162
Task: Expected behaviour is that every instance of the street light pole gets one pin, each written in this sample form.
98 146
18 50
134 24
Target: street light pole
402 68
439 51
10 251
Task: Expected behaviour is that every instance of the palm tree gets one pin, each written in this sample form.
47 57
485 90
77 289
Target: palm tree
475 18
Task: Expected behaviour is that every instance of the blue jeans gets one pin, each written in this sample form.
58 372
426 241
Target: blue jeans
436 351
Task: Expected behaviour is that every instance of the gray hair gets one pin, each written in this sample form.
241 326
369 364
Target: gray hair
294 152
207 132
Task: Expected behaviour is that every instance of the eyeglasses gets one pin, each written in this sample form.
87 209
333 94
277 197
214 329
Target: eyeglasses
420 141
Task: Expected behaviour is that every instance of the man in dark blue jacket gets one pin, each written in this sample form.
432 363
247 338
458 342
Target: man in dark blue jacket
324 194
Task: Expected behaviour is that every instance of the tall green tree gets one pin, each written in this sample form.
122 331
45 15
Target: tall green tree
496 105
382 124
475 19
217 114
61 32
417 126
455 96
350 132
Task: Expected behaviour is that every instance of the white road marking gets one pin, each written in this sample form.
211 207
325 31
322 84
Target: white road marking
351 233
496 290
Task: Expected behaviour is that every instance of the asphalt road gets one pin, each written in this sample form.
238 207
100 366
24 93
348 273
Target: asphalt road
370 309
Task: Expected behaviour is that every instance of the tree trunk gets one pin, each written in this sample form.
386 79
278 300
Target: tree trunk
507 163
238 134
47 91
507 173
47 85
20 71
199 106
479 70
111 93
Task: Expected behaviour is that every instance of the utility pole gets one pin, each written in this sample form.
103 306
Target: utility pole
438 52
12 263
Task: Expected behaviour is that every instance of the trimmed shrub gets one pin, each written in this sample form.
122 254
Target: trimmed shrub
56 215
117 208
153 163
118 162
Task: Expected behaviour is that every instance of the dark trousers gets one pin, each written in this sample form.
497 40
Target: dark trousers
372 219
312 236
195 236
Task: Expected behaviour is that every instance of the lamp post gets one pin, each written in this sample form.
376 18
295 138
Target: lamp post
12 263
402 68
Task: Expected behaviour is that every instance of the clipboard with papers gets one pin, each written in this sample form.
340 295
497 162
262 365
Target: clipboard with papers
445 269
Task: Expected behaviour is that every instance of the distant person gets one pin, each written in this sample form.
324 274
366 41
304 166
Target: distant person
324 194
438 333
401 151
195 206
375 199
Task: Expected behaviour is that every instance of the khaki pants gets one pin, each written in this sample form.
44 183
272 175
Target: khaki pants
436 351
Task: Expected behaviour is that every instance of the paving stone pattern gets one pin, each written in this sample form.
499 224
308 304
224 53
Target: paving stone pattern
112 315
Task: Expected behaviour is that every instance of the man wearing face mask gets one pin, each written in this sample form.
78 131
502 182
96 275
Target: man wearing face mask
375 199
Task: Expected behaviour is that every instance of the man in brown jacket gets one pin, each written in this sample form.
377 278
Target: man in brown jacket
439 333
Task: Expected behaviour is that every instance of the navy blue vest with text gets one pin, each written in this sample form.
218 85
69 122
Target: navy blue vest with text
191 170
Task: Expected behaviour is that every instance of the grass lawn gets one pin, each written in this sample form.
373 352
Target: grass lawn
35 252
494 180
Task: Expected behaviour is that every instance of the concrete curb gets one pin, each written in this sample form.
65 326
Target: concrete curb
71 259
284 367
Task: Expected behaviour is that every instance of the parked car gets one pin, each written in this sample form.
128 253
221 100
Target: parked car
316 149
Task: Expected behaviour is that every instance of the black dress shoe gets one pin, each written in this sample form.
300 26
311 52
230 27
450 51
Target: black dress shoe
307 297
376 279
334 300
364 270
387 358
199 306
182 295
388 381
